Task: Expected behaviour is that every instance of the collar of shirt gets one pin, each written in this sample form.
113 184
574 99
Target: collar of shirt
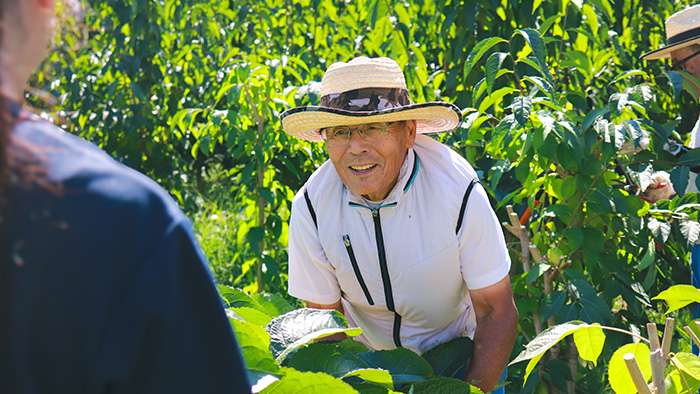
406 175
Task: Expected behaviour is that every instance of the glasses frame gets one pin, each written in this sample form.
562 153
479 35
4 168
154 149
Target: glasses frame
678 66
323 133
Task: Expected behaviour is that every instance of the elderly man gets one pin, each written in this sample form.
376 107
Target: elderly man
683 37
394 231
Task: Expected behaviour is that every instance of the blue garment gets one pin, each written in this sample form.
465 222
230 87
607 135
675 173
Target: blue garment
102 285
695 281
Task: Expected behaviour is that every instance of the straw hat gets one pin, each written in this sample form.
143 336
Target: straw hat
366 90
682 30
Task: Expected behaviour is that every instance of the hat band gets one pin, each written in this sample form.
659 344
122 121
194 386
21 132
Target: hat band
686 35
367 99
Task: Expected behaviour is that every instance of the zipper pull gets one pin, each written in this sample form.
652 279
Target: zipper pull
375 212
346 240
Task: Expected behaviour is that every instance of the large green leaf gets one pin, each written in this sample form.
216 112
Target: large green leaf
536 43
273 304
448 358
536 348
327 358
690 230
308 383
679 296
688 363
618 374
379 377
589 342
522 106
493 64
254 344
444 385
403 364
478 51
302 326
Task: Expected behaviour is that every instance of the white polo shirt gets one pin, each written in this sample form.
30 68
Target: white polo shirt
402 273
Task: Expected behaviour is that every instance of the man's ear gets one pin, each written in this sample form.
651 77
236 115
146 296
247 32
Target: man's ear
411 130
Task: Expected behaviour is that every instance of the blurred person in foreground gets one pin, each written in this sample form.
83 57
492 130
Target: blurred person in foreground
102 286
395 231
683 49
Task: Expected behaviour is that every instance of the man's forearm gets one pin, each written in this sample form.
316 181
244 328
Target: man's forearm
493 341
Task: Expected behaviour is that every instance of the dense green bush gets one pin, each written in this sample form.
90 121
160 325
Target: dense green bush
189 93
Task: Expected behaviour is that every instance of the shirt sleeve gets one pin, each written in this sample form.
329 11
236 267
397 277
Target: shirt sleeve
311 276
484 257
169 332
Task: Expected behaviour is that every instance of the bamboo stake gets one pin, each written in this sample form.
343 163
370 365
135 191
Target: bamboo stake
692 335
668 336
658 362
639 382
522 235
653 336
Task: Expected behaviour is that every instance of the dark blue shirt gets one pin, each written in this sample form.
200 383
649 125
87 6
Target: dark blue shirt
102 287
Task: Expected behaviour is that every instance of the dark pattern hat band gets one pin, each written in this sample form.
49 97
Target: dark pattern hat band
367 99
686 35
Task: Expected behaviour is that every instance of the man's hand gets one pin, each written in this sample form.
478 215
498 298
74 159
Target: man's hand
496 325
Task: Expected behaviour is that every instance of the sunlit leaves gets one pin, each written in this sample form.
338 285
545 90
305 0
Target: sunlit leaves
679 296
618 375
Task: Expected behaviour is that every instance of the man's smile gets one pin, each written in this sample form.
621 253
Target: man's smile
362 168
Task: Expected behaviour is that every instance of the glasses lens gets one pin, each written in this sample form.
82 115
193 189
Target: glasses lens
370 132
374 131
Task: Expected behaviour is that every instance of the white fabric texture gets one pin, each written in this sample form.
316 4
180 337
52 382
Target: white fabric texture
430 267
694 143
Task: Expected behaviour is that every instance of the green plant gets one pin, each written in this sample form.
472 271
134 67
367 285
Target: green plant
280 349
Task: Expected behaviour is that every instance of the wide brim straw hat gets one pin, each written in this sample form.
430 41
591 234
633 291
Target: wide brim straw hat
682 30
366 90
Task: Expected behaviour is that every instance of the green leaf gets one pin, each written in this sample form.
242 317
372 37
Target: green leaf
522 106
688 363
659 229
448 358
493 64
679 296
692 158
273 304
536 43
308 383
544 341
542 84
676 81
254 342
575 237
479 50
552 303
536 271
403 364
252 315
618 374
377 376
444 385
326 357
236 298
589 342
299 327
679 177
690 230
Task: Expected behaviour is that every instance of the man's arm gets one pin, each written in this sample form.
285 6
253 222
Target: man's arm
496 325
338 306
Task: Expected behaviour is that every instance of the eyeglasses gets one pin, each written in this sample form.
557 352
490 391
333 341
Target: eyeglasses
678 66
341 135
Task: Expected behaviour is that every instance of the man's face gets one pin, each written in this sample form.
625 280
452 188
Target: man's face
371 168
692 65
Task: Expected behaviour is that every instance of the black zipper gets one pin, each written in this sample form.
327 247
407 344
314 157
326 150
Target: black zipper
388 292
356 268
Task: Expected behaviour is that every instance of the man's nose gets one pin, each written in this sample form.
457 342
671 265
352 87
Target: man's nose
357 143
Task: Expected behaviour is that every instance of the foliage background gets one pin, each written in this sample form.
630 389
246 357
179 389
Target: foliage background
189 93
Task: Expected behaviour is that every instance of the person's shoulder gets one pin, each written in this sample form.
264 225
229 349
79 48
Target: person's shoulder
323 179
443 164
91 180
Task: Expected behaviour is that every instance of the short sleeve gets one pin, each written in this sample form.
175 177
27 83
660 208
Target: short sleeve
484 257
169 332
311 276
